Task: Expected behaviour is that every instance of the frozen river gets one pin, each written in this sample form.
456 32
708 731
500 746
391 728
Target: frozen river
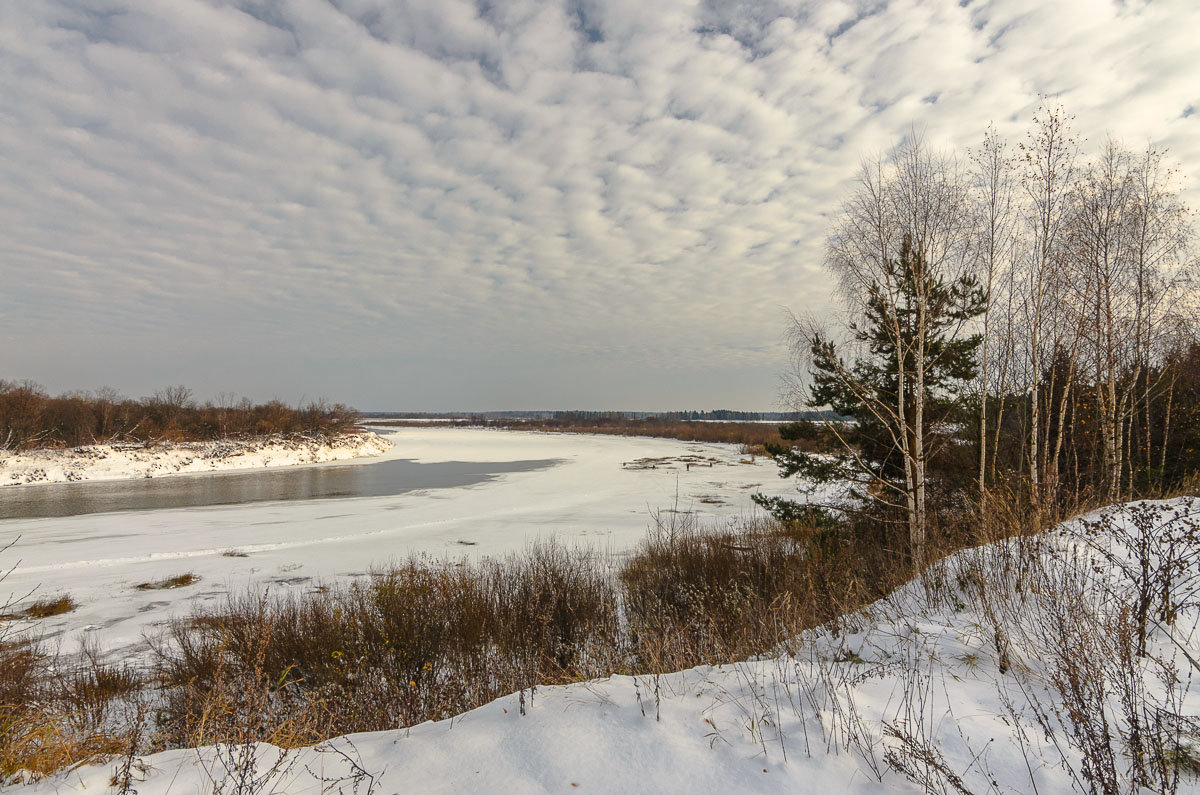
518 487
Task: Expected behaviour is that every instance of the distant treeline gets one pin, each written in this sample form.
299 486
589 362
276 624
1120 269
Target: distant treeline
30 418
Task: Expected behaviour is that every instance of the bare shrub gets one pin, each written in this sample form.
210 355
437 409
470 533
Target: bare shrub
1073 615
57 713
1157 553
429 639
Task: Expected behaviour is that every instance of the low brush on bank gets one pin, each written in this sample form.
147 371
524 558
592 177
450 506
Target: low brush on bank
752 437
178 581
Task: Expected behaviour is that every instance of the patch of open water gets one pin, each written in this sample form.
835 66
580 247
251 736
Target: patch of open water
377 479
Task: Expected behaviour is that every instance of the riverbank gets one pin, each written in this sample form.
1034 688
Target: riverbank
1013 666
162 459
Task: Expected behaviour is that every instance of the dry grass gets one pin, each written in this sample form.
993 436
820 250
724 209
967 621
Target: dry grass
750 436
430 639
420 641
694 595
58 713
178 581
1071 627
55 606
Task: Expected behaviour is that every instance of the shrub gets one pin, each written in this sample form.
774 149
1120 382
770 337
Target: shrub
695 595
428 639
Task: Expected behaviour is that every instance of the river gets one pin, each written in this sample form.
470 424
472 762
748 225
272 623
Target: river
365 479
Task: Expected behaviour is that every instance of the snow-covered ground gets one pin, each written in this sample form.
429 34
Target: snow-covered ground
601 492
121 461
916 681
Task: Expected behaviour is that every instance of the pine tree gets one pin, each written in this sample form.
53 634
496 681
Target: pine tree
911 312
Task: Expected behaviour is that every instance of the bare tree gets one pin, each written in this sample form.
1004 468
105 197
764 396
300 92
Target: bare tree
106 400
1162 238
171 402
993 181
1049 155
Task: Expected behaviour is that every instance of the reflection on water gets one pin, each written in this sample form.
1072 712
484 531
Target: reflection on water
379 479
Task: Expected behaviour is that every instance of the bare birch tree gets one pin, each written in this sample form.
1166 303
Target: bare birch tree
1049 155
1128 232
992 177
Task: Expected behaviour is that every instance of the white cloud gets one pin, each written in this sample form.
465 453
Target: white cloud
355 192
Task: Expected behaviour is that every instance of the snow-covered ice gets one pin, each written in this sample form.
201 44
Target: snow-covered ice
601 492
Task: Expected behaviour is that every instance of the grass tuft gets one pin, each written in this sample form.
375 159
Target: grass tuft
178 581
45 608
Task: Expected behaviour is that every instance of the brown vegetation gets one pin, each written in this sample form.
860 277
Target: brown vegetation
1087 393
751 436
45 608
178 581
429 639
30 418
52 718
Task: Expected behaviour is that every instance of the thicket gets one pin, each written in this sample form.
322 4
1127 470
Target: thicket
31 418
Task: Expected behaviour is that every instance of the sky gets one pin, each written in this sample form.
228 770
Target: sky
497 204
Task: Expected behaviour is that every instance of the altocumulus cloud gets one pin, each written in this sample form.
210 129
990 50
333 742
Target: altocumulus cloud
475 204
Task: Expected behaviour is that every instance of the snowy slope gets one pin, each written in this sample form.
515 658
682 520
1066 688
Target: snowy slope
924 662
121 461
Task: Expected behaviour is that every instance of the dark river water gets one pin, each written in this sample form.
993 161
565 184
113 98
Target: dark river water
378 479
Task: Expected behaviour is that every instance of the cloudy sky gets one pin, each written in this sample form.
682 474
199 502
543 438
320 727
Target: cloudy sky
473 204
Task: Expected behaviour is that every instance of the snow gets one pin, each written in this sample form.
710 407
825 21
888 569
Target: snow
160 459
600 493
810 719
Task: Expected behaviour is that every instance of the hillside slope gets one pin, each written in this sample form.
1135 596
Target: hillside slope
1011 667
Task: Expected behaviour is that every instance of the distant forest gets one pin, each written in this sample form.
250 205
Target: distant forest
31 418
